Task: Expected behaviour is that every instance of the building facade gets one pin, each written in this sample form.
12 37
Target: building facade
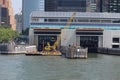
90 30
91 6
11 15
27 7
65 5
18 18
7 16
102 5
58 6
4 13
114 6
4 3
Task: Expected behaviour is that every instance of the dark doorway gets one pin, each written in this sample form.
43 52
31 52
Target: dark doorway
91 42
43 39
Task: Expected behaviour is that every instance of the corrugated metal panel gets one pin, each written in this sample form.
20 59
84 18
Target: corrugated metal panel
78 14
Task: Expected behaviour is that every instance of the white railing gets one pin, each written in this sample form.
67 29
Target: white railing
26 48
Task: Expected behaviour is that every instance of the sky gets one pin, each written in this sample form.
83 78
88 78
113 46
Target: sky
17 6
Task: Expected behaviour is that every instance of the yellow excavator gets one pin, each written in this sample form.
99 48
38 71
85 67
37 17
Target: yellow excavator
54 46
51 48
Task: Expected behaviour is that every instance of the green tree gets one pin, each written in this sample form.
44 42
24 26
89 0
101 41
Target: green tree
7 34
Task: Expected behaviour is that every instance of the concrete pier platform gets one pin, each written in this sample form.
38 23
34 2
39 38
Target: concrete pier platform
109 51
11 53
44 53
75 52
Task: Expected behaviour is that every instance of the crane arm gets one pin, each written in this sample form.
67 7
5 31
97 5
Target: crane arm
67 25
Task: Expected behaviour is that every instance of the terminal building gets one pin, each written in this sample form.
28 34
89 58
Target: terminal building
92 30
60 6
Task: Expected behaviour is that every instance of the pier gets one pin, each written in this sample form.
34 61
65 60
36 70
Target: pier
75 52
44 53
109 51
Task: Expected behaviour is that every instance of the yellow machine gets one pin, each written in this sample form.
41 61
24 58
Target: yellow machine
51 48
54 46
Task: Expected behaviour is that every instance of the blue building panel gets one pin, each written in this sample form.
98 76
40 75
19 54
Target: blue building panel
75 25
103 26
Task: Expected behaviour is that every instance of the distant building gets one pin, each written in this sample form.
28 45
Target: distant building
7 17
18 18
4 13
91 6
114 6
57 6
108 6
102 5
27 7
0 13
65 5
62 6
105 5
4 3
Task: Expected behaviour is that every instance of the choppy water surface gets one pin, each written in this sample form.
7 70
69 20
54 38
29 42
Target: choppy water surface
96 67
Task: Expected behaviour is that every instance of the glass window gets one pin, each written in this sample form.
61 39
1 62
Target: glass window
34 19
115 40
83 20
95 21
52 20
63 20
70 3
106 21
116 21
45 20
115 46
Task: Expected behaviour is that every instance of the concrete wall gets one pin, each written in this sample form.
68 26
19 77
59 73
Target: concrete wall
36 40
100 43
108 36
78 40
31 36
68 37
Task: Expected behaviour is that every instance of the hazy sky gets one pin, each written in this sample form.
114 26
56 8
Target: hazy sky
17 5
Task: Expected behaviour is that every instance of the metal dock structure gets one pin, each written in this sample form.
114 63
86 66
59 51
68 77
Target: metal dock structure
44 53
73 52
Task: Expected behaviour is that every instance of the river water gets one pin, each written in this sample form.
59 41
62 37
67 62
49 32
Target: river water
96 67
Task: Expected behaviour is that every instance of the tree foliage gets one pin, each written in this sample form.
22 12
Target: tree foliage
7 34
